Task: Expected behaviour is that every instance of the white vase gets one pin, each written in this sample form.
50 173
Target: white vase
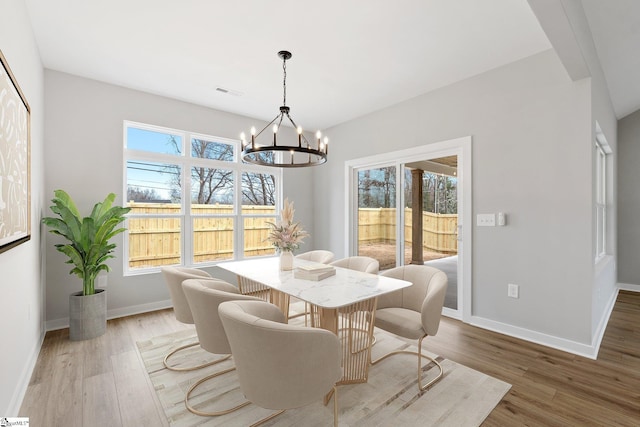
286 261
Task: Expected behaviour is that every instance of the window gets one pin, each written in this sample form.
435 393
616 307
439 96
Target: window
603 182
193 202
601 202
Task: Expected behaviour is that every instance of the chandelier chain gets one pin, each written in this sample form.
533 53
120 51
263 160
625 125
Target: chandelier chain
284 81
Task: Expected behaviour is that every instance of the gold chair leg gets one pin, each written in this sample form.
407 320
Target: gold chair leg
216 413
335 406
188 368
270 417
419 354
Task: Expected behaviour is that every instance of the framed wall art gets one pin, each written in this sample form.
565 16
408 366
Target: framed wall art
15 161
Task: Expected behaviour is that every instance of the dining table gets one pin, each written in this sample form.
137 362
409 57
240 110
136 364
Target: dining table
344 303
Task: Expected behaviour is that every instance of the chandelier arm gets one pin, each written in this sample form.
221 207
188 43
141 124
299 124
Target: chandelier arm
269 124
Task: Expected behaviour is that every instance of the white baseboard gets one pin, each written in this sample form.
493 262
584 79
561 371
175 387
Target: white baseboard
586 350
52 325
27 370
602 325
137 309
628 287
562 344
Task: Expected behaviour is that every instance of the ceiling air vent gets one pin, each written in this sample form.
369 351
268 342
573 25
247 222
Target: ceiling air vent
229 91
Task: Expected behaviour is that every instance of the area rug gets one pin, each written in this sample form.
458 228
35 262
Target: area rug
464 397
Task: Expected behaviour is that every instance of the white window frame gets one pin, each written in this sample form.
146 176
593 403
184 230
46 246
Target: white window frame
185 161
602 204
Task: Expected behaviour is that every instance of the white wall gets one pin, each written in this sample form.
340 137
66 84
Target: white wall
83 148
21 324
628 200
531 159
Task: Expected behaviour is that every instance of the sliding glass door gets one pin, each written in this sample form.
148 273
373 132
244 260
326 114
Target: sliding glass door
407 213
377 222
431 218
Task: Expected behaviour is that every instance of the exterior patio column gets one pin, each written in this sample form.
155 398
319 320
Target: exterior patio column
416 217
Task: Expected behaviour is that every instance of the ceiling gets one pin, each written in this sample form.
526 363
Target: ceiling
615 28
349 57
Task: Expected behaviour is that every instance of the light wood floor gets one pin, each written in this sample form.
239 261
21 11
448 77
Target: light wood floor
102 382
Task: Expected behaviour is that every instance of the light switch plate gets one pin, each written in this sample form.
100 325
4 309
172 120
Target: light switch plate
486 220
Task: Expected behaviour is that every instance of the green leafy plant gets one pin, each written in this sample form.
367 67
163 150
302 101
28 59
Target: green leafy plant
88 248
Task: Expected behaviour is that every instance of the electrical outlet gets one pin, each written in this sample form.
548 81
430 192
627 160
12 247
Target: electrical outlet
513 291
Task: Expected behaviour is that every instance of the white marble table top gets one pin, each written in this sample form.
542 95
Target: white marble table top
345 288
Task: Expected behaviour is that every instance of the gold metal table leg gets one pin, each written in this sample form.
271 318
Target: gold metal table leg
257 289
354 325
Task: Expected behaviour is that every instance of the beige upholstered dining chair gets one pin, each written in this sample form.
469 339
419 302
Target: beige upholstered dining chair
280 366
204 296
359 263
413 312
320 256
174 276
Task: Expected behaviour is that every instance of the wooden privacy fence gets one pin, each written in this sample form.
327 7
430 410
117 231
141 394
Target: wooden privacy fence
378 225
157 241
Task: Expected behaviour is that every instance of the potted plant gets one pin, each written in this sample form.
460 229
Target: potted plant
88 249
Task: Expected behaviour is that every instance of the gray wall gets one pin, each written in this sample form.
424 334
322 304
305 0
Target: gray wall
629 199
604 278
21 289
531 129
83 148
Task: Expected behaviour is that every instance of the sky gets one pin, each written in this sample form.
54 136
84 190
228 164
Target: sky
146 174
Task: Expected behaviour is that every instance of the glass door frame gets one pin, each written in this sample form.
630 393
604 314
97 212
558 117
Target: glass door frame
460 147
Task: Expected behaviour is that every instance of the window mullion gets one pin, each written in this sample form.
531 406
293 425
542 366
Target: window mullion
188 236
238 243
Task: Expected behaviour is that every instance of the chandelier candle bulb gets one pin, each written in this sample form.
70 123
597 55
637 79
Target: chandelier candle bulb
253 137
299 137
326 145
275 132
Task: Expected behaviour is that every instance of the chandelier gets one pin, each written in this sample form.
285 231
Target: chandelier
298 153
